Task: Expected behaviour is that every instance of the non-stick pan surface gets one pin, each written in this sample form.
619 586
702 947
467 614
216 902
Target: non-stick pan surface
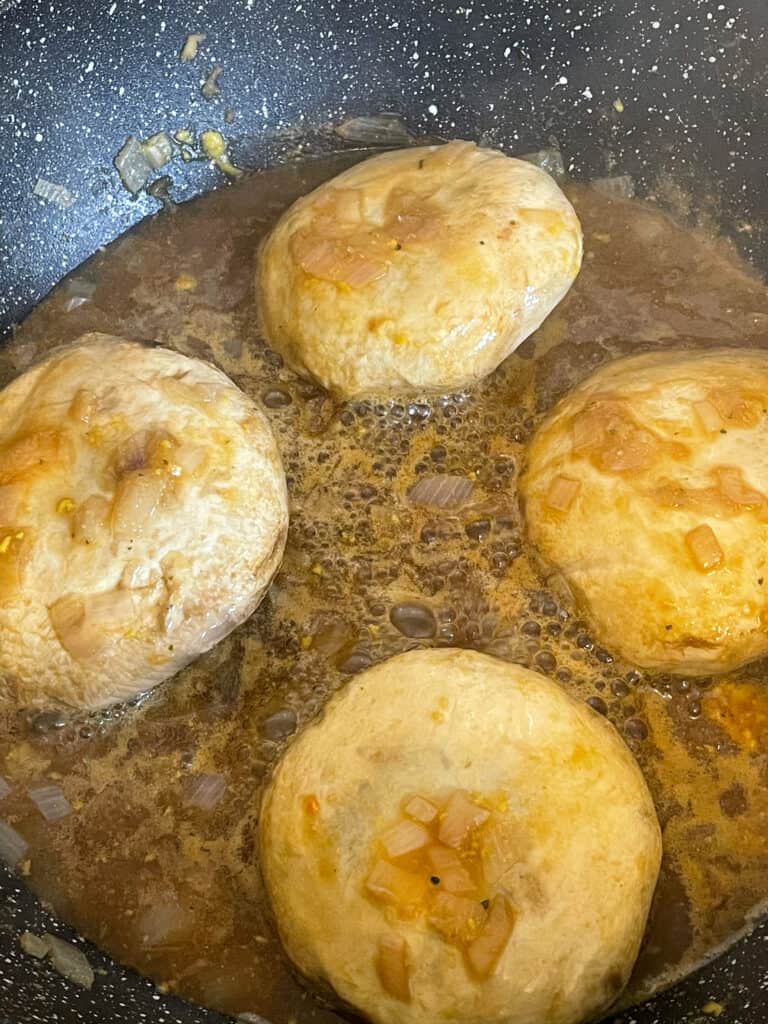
78 76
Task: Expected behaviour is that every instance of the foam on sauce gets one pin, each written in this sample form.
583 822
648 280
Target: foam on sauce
165 877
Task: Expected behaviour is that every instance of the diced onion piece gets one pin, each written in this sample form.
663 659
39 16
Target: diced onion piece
83 406
392 967
173 615
79 638
638 449
214 628
137 500
158 150
189 458
484 953
13 846
15 547
410 216
586 431
420 809
346 207
704 548
82 622
51 192
405 837
210 86
69 961
132 454
333 260
460 819
708 416
458 881
359 270
706 500
456 918
24 455
191 46
50 801
446 866
607 432
620 187
450 153
90 519
732 485
500 848
394 886
132 165
138 574
110 608
177 390
33 945
442 858
375 130
158 924
735 407
550 221
77 291
549 160
562 493
159 189
443 491
207 790
141 450
5 788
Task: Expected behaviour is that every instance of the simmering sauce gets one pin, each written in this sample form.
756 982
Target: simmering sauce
157 861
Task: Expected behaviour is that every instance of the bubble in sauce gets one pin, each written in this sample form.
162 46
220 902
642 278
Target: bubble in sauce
282 723
414 620
276 398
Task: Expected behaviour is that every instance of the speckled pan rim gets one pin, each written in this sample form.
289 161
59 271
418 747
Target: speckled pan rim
621 86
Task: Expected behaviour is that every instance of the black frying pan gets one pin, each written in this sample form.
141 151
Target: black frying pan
78 76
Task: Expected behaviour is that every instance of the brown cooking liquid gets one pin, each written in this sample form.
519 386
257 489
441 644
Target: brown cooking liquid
172 889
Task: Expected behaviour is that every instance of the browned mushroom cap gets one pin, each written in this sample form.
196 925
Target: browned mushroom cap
418 269
142 515
646 492
457 837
